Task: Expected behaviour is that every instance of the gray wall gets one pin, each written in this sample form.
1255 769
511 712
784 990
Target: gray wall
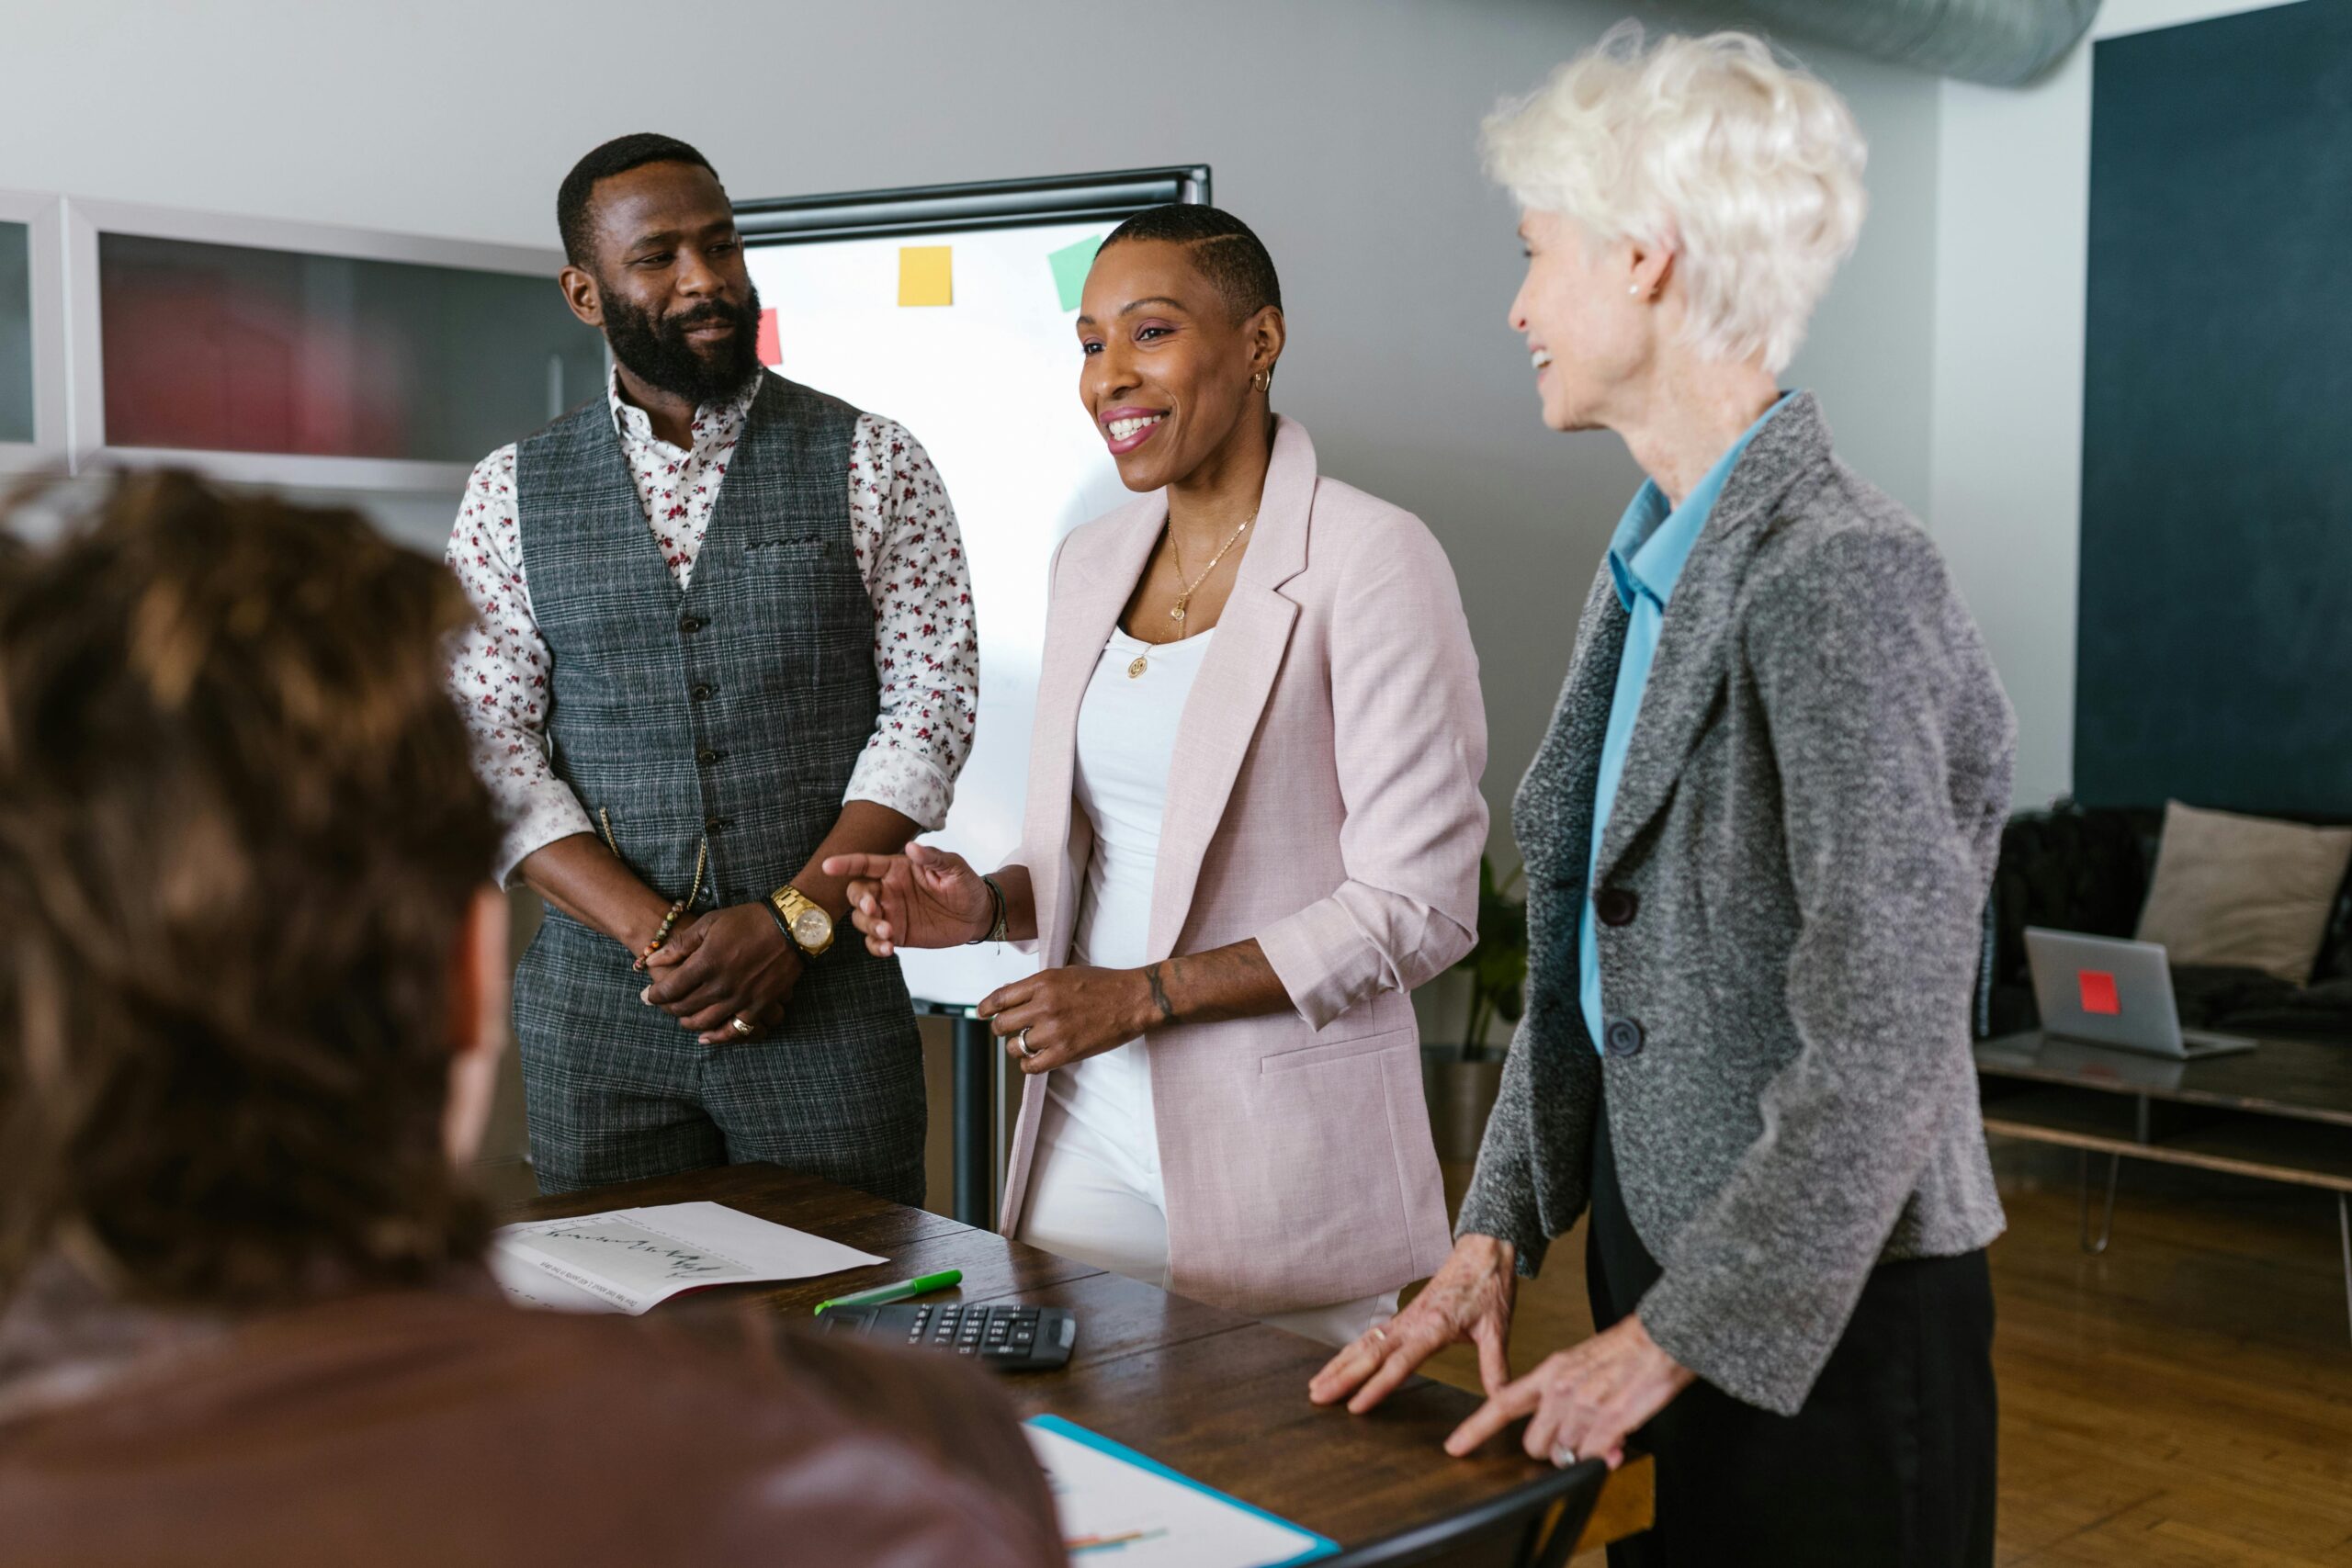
1343 130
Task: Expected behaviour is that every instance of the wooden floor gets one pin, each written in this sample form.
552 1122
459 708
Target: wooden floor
2184 1398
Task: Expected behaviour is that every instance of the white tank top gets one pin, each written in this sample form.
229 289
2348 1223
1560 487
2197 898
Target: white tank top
1126 743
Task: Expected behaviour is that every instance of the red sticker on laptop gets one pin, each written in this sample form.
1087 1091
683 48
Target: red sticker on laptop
2098 993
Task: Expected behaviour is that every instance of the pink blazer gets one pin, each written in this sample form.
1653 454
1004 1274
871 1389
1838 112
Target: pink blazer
1325 801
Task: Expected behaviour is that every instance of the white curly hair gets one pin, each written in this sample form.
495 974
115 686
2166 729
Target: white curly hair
1748 168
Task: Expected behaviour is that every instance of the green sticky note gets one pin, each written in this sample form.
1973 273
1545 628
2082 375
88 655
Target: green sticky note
1070 265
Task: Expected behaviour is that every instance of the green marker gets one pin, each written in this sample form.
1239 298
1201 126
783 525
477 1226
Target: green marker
882 1295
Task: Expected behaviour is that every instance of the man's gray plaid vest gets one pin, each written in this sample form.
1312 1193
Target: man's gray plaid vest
729 712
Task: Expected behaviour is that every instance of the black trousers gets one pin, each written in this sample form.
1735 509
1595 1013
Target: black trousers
1890 1462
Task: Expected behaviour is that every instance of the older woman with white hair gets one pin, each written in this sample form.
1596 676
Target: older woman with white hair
1759 836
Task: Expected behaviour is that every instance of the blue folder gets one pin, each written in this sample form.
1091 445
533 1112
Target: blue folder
1323 1547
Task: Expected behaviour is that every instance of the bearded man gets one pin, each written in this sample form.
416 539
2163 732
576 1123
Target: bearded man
726 632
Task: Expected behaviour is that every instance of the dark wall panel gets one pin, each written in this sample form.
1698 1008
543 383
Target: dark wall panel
2215 655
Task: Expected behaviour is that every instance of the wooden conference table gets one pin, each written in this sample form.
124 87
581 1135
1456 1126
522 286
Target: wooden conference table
1218 1396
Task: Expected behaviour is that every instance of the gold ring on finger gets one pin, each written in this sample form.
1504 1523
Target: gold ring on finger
741 1025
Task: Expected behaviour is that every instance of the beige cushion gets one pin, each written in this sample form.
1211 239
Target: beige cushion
2243 891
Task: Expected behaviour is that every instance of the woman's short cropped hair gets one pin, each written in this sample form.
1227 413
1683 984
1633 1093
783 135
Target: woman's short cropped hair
1748 167
1227 251
239 835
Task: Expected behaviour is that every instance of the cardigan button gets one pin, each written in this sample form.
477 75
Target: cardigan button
1624 1037
705 756
703 691
690 625
1616 906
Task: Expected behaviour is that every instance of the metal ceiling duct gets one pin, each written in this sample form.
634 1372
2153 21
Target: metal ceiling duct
2000 42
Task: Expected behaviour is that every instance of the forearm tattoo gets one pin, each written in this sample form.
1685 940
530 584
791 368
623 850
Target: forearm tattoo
1160 996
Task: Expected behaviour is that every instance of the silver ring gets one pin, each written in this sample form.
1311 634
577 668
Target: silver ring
1379 1334
1562 1457
740 1025
1022 1041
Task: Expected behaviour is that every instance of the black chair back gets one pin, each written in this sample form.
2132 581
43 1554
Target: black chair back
1535 1526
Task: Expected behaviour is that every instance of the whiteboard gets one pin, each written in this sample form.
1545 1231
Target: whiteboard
989 384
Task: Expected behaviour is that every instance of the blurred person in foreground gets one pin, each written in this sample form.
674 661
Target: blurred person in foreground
254 992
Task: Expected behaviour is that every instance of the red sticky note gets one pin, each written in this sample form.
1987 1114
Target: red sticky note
2098 993
771 347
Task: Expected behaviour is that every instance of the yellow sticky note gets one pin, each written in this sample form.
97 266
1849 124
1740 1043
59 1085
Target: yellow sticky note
926 275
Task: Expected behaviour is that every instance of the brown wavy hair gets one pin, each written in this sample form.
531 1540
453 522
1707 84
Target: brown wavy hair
238 834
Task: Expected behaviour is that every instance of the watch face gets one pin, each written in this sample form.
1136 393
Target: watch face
811 927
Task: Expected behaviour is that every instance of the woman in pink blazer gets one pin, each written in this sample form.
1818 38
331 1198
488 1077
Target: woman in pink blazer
1253 827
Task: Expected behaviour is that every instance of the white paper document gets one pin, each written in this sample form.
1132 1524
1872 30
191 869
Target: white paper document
1121 1509
631 1259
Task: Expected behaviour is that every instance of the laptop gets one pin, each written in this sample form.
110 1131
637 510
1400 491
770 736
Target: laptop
2109 992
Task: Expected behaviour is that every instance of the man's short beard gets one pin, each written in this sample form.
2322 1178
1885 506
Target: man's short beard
656 351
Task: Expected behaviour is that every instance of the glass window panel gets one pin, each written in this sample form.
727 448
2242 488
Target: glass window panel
225 349
16 332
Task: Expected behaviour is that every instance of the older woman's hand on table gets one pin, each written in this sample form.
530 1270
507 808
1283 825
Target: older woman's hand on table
1469 1298
1583 1401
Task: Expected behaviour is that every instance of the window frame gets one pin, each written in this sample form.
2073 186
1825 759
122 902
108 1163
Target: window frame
49 448
83 223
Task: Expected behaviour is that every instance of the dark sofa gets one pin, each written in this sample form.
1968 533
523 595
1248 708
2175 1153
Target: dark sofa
2087 870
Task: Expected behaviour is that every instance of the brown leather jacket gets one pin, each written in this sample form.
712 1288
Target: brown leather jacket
446 1427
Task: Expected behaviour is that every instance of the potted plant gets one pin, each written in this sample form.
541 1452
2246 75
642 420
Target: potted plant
1461 1078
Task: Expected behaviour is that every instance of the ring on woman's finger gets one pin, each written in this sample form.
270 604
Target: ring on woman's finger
1022 1040
1564 1456
1379 1334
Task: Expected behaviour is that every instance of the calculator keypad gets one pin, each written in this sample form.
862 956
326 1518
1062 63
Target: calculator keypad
981 1329
1006 1337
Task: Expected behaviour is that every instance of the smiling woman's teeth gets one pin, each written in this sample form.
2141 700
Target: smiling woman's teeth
1123 428
1542 357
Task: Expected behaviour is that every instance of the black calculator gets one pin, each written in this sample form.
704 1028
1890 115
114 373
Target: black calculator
1009 1338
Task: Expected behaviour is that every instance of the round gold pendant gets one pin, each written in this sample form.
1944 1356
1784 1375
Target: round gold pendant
1136 669
1177 614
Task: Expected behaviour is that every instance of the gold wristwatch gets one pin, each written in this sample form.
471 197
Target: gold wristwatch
804 921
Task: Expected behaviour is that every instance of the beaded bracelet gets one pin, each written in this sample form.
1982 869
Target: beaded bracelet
662 935
702 862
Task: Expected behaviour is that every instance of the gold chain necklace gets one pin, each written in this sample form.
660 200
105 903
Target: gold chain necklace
1141 662
1177 551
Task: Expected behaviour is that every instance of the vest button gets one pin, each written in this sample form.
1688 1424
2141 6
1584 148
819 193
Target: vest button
1616 906
703 691
706 757
690 625
713 824
1624 1037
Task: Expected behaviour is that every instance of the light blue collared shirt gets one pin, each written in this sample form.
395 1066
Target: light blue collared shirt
1646 557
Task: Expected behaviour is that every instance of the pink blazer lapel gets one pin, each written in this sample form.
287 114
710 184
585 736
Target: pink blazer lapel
1236 678
1086 609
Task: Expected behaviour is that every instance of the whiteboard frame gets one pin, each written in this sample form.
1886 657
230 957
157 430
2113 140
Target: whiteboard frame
981 203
